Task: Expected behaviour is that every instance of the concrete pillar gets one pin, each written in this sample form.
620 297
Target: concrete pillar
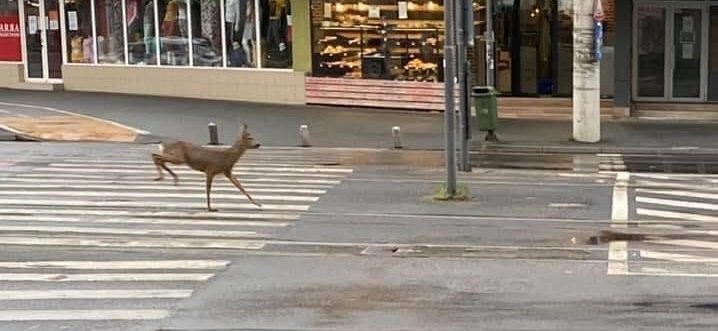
586 76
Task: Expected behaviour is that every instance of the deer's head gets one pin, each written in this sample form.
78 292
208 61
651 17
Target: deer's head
246 140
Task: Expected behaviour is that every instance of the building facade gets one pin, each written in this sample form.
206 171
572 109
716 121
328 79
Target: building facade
289 51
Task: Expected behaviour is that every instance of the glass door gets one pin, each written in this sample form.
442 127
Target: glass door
43 40
670 51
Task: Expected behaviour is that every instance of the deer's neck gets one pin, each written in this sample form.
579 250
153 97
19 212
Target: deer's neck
236 151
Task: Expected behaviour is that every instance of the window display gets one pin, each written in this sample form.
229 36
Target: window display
275 31
387 39
223 33
78 20
110 31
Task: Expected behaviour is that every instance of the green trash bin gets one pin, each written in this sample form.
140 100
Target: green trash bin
487 118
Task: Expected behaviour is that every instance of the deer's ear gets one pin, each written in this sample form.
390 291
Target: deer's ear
244 126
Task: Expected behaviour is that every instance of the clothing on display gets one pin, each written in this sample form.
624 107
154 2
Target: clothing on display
169 24
148 26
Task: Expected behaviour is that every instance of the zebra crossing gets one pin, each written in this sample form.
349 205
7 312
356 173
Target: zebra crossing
98 290
110 201
687 207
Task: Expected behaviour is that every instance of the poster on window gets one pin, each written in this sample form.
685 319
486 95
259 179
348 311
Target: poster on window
9 38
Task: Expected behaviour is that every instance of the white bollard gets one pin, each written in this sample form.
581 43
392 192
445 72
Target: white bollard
396 133
304 135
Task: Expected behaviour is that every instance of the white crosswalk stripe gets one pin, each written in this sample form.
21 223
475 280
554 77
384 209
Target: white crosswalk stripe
687 205
113 201
98 290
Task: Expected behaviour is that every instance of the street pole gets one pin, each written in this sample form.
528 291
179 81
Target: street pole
461 71
586 79
449 104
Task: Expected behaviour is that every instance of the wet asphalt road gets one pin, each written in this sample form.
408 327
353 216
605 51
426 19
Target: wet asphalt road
376 253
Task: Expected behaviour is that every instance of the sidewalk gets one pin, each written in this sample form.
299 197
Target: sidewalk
278 125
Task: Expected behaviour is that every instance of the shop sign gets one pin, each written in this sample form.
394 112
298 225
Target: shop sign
10 38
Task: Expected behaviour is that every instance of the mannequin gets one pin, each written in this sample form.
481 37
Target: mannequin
235 16
148 26
248 35
182 19
275 37
210 24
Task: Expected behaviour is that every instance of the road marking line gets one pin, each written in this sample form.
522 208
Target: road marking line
115 220
654 184
74 315
117 265
157 188
114 277
681 177
148 204
619 210
677 203
658 272
199 196
179 172
190 179
93 294
242 162
618 250
678 193
138 232
158 214
143 183
677 257
685 242
150 167
131 243
676 215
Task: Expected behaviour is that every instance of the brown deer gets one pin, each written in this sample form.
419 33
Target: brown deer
211 162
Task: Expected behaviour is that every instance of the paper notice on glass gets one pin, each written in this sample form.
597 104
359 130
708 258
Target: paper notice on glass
289 20
687 23
374 12
32 24
328 10
687 51
72 20
54 25
403 10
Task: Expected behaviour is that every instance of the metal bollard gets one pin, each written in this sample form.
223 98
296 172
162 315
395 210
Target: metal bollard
396 132
304 136
213 135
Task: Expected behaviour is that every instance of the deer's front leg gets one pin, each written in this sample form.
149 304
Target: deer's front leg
239 186
160 160
209 189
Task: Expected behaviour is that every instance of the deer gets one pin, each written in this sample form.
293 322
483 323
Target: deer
211 162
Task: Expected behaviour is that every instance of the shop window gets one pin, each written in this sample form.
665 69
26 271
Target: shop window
80 44
241 33
141 31
275 23
382 39
713 56
174 32
206 33
110 31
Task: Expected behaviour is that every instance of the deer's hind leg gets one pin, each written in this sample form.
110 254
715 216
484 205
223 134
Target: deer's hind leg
160 160
239 186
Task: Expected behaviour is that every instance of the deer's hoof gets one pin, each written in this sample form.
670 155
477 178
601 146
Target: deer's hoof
212 210
158 179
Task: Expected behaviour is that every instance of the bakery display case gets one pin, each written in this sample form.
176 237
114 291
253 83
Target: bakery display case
381 39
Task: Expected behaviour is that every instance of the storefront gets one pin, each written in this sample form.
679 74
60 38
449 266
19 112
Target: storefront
402 41
223 49
675 51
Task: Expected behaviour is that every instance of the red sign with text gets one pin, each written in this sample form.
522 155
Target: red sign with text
10 39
